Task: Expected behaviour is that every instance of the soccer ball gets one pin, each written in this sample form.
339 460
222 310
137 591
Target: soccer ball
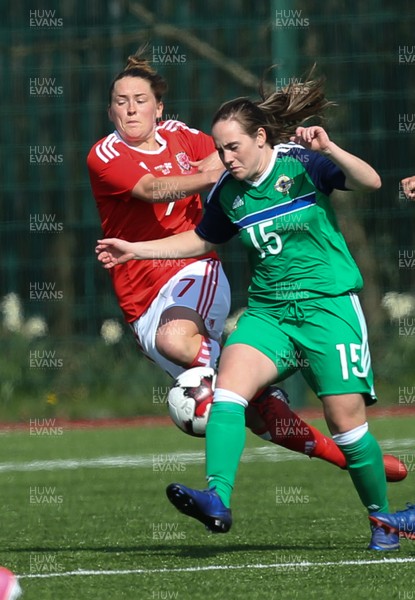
190 399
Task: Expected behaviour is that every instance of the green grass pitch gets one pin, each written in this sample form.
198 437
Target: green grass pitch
85 516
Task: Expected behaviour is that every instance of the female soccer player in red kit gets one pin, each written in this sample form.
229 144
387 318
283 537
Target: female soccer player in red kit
146 177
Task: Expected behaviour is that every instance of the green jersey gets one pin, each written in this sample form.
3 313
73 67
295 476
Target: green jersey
287 224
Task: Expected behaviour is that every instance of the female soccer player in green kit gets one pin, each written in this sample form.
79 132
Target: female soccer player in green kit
302 296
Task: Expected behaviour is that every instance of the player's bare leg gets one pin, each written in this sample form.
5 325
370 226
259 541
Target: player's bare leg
182 338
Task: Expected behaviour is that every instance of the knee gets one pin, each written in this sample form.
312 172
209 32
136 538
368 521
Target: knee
347 438
177 348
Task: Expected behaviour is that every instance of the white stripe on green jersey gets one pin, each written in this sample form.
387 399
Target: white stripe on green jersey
287 224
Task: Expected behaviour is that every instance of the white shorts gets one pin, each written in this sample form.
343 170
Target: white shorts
201 286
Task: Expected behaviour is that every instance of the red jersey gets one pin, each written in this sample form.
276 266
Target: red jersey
114 169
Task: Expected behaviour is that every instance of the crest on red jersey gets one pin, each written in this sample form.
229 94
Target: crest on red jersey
183 161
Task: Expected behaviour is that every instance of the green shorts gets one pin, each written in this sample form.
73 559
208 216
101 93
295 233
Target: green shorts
326 338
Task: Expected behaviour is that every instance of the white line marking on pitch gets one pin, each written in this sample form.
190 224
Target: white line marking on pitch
303 565
169 461
164 462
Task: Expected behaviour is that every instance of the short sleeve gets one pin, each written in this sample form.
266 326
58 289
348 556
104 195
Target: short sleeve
215 226
325 175
197 144
115 175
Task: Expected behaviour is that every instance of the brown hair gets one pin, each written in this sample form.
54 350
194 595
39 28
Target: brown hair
139 66
279 112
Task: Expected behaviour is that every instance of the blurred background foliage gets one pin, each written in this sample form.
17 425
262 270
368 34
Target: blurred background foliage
56 66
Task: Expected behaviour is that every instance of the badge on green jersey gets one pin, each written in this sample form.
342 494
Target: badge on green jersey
283 184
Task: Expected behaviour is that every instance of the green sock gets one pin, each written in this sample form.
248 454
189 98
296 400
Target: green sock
365 464
225 440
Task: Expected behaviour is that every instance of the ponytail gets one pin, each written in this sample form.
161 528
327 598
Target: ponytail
138 65
279 112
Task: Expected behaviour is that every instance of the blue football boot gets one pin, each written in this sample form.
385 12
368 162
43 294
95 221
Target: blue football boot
402 522
203 505
383 540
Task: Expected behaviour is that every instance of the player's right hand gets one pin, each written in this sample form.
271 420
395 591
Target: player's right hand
209 163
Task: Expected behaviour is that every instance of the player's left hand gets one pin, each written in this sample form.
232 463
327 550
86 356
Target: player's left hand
112 251
314 138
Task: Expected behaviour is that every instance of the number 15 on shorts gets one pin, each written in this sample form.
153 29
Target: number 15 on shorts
354 358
